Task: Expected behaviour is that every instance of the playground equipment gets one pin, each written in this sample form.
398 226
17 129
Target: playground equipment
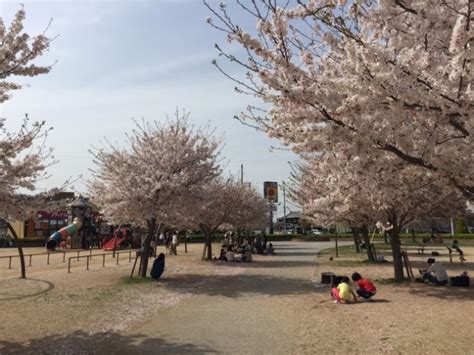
63 233
77 231
113 243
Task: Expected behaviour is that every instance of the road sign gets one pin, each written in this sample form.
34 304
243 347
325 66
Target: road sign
270 190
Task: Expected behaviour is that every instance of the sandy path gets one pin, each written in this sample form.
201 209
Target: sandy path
248 313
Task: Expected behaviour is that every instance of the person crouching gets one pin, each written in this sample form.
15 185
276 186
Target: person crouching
342 293
366 289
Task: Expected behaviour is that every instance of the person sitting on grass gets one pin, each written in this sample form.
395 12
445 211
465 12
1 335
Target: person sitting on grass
342 293
436 273
222 255
366 289
270 250
230 256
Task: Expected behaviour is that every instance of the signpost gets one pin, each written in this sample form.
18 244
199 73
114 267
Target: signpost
270 192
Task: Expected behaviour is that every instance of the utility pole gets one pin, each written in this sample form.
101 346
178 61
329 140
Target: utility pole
241 173
271 217
284 206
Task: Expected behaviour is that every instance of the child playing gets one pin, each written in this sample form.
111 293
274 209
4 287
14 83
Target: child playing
342 293
366 289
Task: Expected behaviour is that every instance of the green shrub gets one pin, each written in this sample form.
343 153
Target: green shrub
33 242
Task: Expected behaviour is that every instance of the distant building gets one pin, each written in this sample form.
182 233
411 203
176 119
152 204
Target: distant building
46 222
293 223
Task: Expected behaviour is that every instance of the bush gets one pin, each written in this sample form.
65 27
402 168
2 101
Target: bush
33 242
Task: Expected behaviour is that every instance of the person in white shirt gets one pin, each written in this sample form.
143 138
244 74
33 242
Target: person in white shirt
174 244
436 274
230 256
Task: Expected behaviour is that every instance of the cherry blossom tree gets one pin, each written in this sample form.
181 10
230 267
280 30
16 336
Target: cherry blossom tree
17 52
23 162
162 164
23 155
333 190
222 203
361 77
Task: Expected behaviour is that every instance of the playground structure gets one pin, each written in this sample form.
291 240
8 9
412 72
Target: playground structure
83 231
64 233
79 228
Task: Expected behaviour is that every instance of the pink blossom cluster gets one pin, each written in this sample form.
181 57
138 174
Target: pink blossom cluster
363 77
17 51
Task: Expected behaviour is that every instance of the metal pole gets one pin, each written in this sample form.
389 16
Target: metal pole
10 263
87 257
284 207
48 259
103 260
271 216
30 258
118 255
78 255
64 256
452 226
69 265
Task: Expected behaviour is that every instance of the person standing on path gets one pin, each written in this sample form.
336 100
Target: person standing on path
174 243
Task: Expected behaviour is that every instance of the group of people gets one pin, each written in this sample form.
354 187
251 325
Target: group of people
240 250
343 293
170 241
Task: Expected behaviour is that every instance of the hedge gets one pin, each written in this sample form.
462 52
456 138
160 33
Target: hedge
32 242
418 236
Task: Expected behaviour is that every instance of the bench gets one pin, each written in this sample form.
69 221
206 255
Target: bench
420 249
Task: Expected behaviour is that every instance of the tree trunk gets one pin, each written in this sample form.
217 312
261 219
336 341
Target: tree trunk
207 252
396 247
365 236
151 225
20 249
355 239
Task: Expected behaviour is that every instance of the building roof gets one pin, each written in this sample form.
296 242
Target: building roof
291 215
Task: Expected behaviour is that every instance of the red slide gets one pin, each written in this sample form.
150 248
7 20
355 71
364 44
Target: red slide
111 244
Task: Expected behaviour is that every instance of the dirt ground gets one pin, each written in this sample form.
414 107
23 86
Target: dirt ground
272 305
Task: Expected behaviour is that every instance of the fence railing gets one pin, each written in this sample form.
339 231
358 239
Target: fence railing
63 252
30 257
89 258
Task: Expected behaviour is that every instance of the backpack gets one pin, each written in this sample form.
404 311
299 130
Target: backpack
461 280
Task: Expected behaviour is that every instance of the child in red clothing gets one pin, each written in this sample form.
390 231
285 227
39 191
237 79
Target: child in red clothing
366 289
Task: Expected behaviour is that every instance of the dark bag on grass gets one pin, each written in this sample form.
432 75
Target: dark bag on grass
460 281
158 266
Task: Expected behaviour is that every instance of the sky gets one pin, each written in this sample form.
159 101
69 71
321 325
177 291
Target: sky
118 60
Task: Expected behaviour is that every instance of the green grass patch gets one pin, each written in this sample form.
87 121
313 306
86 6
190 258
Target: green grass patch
346 262
345 250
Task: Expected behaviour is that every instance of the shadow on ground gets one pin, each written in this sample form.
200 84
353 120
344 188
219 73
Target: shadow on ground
80 342
267 263
239 285
442 292
296 253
